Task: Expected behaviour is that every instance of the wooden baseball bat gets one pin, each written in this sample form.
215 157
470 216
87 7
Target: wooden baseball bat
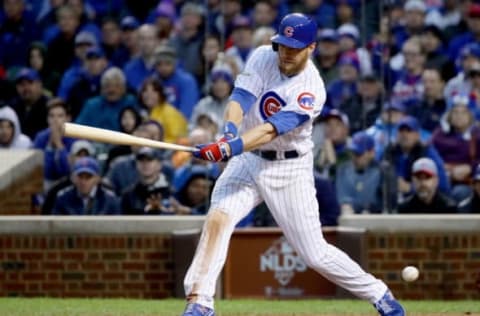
107 136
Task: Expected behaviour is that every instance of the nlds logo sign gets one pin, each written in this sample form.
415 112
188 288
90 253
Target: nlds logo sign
282 260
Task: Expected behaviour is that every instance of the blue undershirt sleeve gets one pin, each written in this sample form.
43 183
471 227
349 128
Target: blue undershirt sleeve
285 121
244 98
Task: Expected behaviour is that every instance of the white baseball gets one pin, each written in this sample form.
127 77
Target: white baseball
410 273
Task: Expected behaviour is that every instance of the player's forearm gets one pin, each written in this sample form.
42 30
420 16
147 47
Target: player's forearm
233 113
258 136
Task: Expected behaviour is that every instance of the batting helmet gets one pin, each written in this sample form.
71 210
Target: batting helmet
296 30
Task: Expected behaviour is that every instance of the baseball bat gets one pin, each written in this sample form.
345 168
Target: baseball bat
107 136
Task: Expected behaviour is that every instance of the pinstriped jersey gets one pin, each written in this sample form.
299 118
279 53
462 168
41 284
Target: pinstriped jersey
303 93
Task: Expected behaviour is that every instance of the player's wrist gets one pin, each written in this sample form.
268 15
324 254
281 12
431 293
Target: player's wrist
230 130
236 146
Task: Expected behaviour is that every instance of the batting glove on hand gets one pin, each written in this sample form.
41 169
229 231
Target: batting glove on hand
220 150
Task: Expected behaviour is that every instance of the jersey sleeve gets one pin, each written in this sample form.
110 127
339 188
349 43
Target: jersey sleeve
306 99
251 77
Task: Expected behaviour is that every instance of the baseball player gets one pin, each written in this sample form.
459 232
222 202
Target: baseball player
274 102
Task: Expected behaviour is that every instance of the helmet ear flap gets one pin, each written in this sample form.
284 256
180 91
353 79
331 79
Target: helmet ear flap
275 46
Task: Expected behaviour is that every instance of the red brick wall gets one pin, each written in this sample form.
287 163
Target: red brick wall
138 266
16 199
449 263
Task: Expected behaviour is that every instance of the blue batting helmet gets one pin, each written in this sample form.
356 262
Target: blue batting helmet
296 30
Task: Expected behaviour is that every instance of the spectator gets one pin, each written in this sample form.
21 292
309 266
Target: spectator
432 106
210 51
176 81
469 56
472 203
10 131
322 12
55 146
265 14
447 16
349 42
129 27
104 111
86 196
327 55
409 148
432 40
365 106
112 44
427 197
31 103
471 35
152 96
458 143
79 149
197 136
141 67
359 180
150 194
242 41
37 54
414 22
345 87
164 17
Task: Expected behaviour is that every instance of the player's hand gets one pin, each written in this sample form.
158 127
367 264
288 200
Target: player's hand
218 151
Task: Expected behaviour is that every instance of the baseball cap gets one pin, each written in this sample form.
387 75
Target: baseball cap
85 37
94 52
350 30
409 122
327 35
165 52
393 105
415 5
361 143
129 23
86 165
349 59
471 49
334 113
241 21
165 9
28 74
80 145
149 153
426 166
222 73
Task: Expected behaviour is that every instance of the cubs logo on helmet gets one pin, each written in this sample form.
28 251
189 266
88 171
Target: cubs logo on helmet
270 103
306 101
296 30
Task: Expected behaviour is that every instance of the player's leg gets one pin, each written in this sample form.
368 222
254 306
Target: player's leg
295 209
233 197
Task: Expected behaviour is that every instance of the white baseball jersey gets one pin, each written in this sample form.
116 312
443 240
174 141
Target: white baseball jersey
303 94
286 186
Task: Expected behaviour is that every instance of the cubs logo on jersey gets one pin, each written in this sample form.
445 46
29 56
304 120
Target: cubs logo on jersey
270 103
306 101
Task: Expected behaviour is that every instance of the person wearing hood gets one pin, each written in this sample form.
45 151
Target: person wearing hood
10 132
194 190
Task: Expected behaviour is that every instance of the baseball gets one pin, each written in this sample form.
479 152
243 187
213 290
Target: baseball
410 273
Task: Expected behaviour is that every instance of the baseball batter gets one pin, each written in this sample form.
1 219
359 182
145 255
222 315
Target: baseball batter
275 100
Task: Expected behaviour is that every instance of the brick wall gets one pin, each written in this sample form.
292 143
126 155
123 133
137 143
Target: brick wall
449 263
137 266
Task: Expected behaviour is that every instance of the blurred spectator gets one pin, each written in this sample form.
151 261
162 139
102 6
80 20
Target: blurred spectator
141 67
473 76
222 25
87 84
461 83
327 55
472 34
163 17
10 131
459 26
150 194
79 149
359 180
112 44
409 148
197 136
262 36
210 50
333 151
31 102
129 27
17 31
189 38
414 22
447 16
86 196
193 193
176 81
84 41
427 196
431 108
347 11
55 146
320 10
345 86
152 97
48 14
458 143
472 203
365 106
242 41
37 54
104 111
265 14
349 42
214 103
432 40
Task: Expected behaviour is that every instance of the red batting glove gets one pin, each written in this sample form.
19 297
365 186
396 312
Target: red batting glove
213 152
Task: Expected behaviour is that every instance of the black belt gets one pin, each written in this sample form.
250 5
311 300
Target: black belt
276 155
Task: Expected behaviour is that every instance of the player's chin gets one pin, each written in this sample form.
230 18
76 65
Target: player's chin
287 68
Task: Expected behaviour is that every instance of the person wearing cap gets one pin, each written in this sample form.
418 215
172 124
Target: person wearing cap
30 104
86 196
52 142
433 41
78 149
141 67
150 194
345 86
327 55
176 80
472 203
471 35
112 44
427 196
364 107
409 148
164 17
358 181
414 22
468 58
129 32
242 41
458 143
349 42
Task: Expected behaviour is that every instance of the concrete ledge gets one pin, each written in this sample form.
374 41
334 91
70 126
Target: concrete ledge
413 223
98 224
15 163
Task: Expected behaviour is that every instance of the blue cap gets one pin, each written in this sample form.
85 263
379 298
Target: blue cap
349 59
409 122
165 9
241 21
361 143
471 49
148 152
222 73
27 74
129 23
94 52
85 37
296 30
86 165
187 174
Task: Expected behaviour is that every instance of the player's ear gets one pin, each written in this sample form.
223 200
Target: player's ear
311 47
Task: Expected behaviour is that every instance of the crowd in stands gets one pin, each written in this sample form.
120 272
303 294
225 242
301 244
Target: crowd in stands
399 132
